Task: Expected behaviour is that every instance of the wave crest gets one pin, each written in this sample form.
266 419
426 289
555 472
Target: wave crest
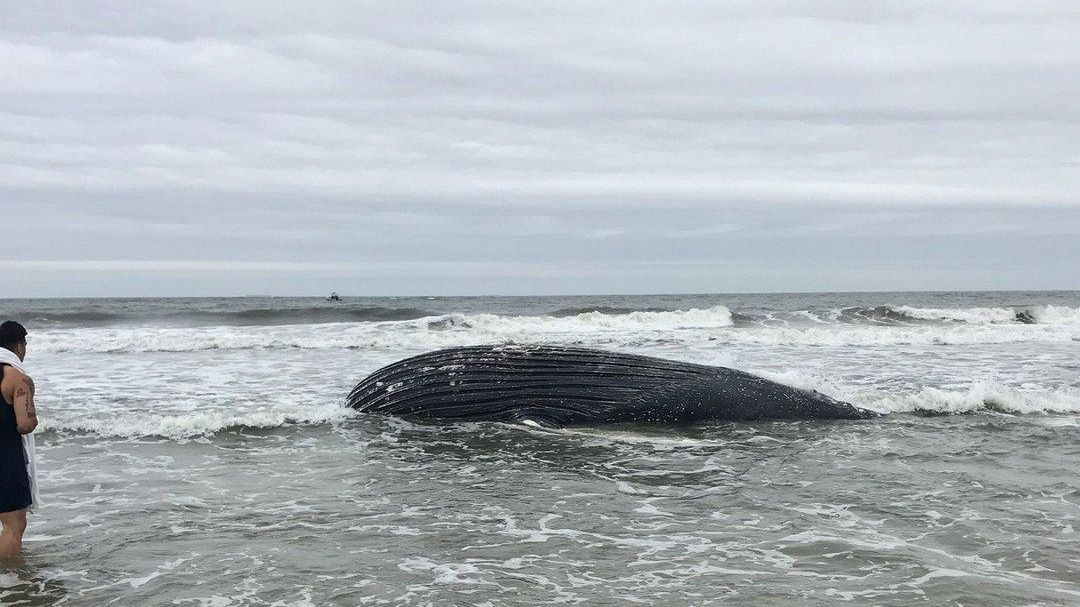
978 397
866 327
429 332
185 425
1048 314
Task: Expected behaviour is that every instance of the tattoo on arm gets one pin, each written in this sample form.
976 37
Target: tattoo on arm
25 393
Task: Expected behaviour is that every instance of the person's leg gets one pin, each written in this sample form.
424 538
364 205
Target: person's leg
11 537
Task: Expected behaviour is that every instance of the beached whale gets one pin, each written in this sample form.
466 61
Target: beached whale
566 386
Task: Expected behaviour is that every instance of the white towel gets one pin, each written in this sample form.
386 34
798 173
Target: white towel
8 357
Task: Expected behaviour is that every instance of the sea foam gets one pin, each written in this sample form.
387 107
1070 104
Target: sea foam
178 425
977 396
715 324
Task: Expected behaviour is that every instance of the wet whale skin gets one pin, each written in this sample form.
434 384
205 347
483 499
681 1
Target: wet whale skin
567 386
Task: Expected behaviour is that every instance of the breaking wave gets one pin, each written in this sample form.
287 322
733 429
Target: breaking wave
1054 315
423 333
978 397
983 396
180 425
716 325
894 315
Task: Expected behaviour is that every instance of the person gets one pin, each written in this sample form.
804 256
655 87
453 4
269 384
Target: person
17 418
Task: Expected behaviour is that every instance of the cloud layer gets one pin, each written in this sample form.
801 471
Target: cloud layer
538 147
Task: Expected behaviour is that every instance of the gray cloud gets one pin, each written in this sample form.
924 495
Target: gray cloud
174 148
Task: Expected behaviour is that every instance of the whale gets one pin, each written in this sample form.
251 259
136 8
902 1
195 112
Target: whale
558 386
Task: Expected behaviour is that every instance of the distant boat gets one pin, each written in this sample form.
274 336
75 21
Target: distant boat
333 296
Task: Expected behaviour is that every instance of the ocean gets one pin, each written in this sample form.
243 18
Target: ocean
198 452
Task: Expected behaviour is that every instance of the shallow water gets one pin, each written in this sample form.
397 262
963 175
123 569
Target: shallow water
215 465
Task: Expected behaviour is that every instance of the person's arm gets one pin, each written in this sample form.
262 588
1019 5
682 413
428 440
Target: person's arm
25 413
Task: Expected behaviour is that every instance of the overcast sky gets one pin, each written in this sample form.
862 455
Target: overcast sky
231 148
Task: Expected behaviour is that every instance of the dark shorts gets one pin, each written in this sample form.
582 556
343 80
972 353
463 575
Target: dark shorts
14 486
10 502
